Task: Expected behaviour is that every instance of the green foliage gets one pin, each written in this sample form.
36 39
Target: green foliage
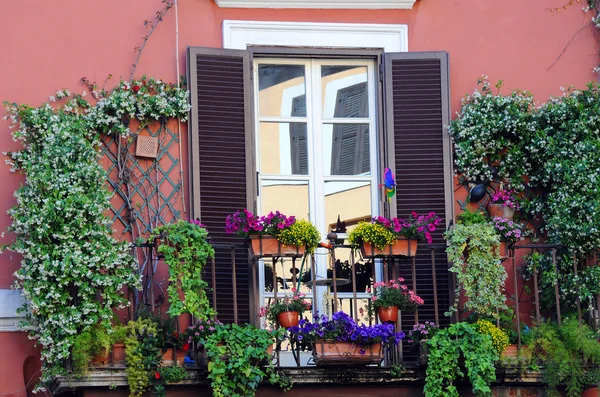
479 271
236 368
73 272
186 250
499 337
88 344
565 352
446 347
165 376
469 218
301 233
550 155
295 303
119 334
142 355
372 233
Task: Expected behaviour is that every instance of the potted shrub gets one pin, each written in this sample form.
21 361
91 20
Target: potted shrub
419 335
118 344
340 340
503 204
472 249
186 250
91 346
177 346
142 354
286 311
500 339
274 234
509 231
198 333
388 298
390 237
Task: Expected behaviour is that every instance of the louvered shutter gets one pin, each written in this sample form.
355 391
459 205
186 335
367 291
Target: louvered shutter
221 153
298 138
418 148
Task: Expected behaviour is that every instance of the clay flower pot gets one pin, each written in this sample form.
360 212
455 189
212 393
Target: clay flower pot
118 354
326 352
388 314
167 359
101 358
511 351
288 319
270 246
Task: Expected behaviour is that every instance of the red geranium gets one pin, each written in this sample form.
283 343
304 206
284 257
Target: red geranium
186 347
157 375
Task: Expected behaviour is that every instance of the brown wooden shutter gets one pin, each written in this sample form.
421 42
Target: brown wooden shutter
418 150
221 162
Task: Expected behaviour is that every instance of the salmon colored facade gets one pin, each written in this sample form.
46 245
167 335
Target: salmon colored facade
49 45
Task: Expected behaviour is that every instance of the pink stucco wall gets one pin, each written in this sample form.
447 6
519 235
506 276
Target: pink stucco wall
48 45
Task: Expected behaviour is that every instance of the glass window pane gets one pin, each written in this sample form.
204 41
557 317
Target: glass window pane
351 201
288 197
346 149
288 271
281 90
345 92
283 149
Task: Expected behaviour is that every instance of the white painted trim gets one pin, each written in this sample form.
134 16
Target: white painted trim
240 34
10 301
339 4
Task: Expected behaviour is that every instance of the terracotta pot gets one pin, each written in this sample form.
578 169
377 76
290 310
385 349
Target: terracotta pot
101 358
388 314
167 358
288 319
345 353
118 353
270 246
511 351
400 247
591 392
500 210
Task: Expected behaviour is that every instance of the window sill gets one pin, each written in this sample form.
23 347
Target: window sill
339 4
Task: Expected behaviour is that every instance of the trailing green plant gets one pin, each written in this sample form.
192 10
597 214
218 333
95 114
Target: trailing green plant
468 218
446 347
73 272
570 355
142 355
239 361
301 233
186 250
476 263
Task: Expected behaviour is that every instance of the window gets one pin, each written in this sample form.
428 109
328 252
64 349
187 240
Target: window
308 132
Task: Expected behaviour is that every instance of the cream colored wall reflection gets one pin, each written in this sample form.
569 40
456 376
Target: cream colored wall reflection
288 198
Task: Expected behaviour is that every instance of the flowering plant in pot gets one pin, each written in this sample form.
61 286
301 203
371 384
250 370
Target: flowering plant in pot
198 334
340 340
384 237
388 298
503 204
419 335
274 234
509 231
286 311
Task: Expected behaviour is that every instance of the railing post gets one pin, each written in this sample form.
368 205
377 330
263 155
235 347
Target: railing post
556 292
234 284
354 298
435 295
536 294
414 284
577 288
516 286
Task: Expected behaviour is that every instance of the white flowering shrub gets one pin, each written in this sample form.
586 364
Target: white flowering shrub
73 272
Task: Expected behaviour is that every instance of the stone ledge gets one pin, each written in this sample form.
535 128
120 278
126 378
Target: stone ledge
113 377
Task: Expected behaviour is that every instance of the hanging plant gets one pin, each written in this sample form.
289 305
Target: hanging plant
476 263
186 250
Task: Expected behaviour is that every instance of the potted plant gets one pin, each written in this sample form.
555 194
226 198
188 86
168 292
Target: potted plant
389 237
500 339
340 340
503 204
198 333
117 338
419 335
509 231
186 250
286 311
91 346
142 354
177 346
236 355
472 249
274 234
388 298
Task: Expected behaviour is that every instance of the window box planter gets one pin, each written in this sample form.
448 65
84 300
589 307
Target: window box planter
401 247
328 352
270 246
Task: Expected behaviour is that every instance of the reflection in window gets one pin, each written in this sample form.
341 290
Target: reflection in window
288 197
283 149
345 92
277 85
